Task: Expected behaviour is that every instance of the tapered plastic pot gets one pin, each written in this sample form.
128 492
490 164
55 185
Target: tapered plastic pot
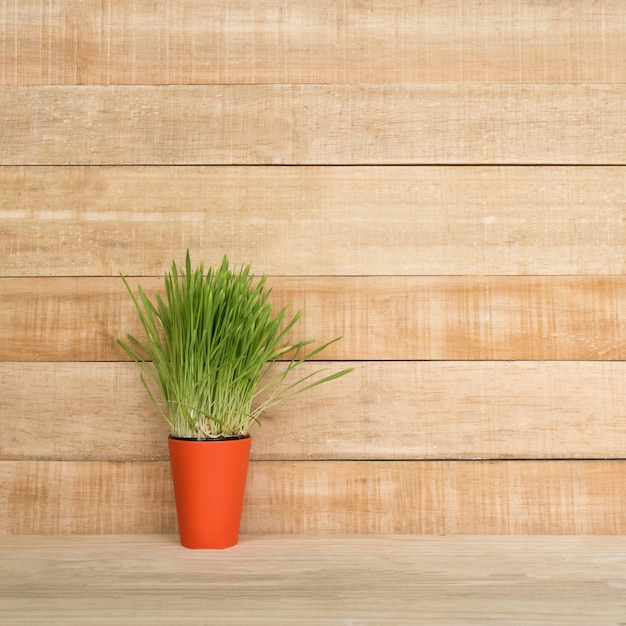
209 484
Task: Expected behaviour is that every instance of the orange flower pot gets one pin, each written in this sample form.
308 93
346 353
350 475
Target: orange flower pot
209 484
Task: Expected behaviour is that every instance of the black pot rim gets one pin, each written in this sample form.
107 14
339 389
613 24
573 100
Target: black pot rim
214 439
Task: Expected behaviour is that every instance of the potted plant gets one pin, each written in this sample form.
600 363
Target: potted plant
213 360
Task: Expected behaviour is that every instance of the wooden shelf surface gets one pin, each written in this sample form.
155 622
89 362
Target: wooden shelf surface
358 579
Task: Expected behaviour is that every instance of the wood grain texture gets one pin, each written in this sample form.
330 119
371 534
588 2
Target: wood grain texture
392 410
380 318
366 580
315 220
86 498
274 41
287 497
458 216
314 124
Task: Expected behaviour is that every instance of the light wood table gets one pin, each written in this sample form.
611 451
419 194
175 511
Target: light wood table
314 580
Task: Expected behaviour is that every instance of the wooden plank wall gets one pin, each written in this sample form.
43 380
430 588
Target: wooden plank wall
443 183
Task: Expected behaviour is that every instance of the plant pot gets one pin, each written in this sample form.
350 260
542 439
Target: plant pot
209 479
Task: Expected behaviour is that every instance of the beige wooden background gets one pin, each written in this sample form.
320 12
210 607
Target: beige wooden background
443 183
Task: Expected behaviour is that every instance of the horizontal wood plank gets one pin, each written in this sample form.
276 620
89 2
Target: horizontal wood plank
428 497
50 497
380 318
367 580
314 124
271 41
435 220
393 410
486 497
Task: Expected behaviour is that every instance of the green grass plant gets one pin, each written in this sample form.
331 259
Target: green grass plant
216 351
